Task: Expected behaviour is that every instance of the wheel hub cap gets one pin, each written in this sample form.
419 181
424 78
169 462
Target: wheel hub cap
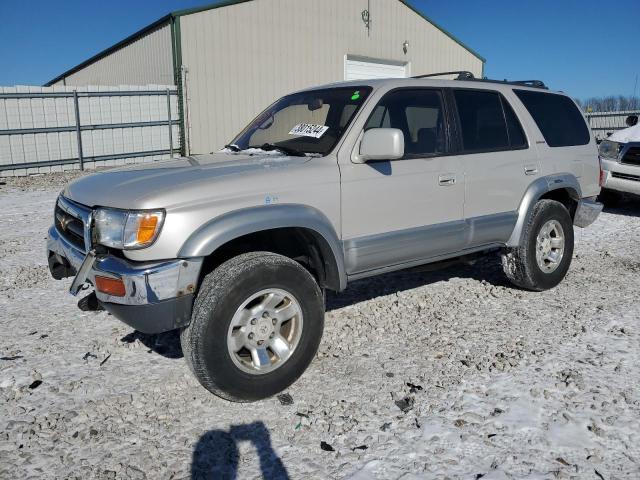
550 244
265 331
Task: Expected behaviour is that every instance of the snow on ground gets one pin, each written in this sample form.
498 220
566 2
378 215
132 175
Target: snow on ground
420 375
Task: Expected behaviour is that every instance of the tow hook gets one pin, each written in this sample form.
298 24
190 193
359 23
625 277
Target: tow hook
90 303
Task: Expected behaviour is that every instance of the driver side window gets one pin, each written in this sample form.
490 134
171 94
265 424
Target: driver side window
419 114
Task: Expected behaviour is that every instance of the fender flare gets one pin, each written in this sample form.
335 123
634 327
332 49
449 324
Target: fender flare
535 191
225 228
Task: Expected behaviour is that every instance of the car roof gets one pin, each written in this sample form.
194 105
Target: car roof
432 82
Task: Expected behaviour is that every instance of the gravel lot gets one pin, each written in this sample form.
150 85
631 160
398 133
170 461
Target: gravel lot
448 374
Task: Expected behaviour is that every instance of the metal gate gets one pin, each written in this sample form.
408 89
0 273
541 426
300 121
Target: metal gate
604 124
49 130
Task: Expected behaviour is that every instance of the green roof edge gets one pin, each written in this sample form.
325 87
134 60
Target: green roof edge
213 6
107 51
443 30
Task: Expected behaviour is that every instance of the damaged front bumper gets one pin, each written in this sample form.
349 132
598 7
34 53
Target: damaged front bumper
159 295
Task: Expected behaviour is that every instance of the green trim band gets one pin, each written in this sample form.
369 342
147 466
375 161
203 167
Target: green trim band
176 44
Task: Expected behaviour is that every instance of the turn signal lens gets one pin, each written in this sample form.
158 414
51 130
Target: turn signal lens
142 228
110 286
147 228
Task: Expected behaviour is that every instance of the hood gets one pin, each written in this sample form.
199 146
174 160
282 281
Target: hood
164 184
631 134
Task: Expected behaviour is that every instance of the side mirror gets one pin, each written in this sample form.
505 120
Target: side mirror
632 120
381 144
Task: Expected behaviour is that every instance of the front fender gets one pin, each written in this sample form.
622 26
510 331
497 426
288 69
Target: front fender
217 232
535 191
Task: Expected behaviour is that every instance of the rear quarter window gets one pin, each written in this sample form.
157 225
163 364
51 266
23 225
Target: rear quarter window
557 117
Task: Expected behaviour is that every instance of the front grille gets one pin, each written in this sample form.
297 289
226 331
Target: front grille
626 176
632 156
70 220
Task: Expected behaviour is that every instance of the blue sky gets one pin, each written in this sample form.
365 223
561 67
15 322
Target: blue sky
584 47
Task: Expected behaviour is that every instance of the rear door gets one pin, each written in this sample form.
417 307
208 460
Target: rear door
565 144
497 161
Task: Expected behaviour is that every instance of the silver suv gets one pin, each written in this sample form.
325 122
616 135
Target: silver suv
327 186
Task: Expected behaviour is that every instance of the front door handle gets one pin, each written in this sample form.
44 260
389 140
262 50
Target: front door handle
446 180
530 170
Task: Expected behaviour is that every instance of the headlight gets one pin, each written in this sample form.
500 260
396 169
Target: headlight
609 149
127 230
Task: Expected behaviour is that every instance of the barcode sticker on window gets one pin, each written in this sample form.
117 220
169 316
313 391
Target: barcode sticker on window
309 130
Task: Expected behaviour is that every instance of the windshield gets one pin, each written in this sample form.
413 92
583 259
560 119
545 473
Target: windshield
309 122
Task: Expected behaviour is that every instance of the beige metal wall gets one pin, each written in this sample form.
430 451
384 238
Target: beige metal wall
241 58
146 61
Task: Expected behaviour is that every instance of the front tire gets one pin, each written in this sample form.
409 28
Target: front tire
543 259
256 326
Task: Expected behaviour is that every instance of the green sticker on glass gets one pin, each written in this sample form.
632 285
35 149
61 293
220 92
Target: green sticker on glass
356 95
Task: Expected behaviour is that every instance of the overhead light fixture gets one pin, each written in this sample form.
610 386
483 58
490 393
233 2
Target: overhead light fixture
366 19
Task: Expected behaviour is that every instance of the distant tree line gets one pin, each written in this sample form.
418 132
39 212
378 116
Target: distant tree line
610 103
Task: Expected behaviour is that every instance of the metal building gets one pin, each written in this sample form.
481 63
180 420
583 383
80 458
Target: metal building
231 60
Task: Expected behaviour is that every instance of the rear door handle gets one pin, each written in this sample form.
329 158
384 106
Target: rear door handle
446 180
530 170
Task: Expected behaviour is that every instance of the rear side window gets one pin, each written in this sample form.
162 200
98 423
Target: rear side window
557 117
487 122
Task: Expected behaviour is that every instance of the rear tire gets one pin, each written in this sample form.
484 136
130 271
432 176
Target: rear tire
256 326
543 259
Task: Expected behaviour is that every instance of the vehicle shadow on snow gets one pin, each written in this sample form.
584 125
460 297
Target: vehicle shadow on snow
629 205
165 344
486 268
216 455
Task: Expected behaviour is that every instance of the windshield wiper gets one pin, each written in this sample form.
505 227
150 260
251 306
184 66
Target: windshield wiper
233 148
270 147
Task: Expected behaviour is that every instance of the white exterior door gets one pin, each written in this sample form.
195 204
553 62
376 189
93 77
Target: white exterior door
368 69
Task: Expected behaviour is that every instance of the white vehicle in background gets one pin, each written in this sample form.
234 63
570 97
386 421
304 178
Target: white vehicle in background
620 157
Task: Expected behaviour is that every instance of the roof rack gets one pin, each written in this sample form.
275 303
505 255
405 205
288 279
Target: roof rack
465 75
529 83
462 75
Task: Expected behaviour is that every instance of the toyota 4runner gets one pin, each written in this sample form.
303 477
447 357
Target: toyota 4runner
327 186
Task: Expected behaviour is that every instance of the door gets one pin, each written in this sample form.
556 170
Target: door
497 161
402 211
362 69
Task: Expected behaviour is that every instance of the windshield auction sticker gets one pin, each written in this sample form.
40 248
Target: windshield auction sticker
309 130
